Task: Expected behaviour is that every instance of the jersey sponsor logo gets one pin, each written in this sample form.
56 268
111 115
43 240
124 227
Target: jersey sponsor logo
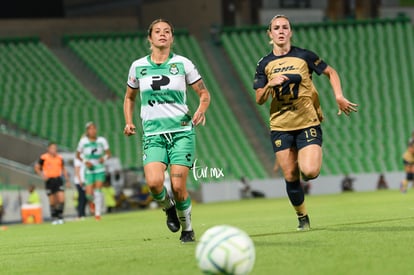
158 81
153 102
174 69
284 69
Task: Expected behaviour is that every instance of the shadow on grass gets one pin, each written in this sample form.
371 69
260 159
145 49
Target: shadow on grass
286 232
378 228
351 226
281 243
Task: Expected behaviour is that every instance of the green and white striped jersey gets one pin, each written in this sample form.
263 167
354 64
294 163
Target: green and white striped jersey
163 91
92 151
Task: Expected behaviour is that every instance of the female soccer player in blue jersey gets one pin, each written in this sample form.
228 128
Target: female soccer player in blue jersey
161 79
408 160
285 75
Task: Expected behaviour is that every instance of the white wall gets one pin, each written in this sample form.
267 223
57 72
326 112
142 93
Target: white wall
392 12
224 191
12 204
295 15
274 188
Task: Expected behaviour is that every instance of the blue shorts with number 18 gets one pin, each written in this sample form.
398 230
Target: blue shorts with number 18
298 139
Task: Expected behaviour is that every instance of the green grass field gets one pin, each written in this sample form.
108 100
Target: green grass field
358 233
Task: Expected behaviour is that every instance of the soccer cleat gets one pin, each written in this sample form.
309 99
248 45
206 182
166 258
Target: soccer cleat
60 221
304 223
172 219
55 222
187 236
97 218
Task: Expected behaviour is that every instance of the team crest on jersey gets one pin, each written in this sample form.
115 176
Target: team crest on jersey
278 143
174 69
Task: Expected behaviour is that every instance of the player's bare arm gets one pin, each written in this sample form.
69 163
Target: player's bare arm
78 175
78 156
66 175
129 104
262 94
38 170
106 156
87 163
344 105
200 114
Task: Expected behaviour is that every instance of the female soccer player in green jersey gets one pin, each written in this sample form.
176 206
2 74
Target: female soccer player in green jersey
93 150
161 79
285 75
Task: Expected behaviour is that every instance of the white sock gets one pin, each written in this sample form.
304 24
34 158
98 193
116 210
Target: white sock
185 219
97 199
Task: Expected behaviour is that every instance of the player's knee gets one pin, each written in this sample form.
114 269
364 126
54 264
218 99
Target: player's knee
180 192
310 173
291 173
154 181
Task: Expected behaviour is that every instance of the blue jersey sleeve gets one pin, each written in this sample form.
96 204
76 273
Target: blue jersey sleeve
315 63
260 78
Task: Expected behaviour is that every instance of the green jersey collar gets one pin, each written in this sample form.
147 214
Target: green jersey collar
159 65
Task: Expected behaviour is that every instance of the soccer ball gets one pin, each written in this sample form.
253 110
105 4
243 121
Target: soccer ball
225 249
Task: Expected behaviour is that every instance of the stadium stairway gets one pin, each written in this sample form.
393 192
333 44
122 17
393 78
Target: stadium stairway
239 102
40 96
85 76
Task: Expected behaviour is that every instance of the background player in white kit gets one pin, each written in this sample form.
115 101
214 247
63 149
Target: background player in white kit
79 180
93 151
161 78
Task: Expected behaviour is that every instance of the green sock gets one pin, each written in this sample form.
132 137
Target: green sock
184 213
162 198
89 198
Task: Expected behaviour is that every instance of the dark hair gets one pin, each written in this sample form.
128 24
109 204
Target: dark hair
276 17
158 21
